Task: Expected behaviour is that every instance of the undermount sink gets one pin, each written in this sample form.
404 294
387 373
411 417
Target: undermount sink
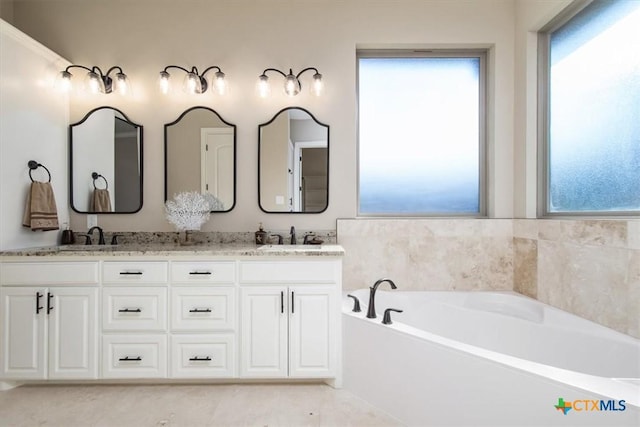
289 247
76 248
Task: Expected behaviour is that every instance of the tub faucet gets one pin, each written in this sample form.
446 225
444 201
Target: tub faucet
100 235
371 312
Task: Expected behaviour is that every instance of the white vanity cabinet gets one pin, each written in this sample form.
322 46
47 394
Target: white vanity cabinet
168 316
289 319
134 319
49 318
203 319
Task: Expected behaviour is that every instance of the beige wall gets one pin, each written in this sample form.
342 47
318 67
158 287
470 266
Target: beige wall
6 10
33 126
244 37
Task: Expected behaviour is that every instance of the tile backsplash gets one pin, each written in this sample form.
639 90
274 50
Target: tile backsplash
587 267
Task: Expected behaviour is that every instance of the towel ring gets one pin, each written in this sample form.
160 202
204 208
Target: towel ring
33 165
95 176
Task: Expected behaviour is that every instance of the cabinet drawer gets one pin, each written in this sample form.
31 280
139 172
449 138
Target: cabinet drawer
134 356
49 273
289 272
203 272
128 309
202 356
203 308
134 272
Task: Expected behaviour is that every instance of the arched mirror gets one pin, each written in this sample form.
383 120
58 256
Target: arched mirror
293 163
200 155
105 153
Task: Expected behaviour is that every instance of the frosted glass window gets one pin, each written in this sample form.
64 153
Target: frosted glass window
420 135
594 111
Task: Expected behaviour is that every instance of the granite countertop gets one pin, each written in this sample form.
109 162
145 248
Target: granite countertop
210 249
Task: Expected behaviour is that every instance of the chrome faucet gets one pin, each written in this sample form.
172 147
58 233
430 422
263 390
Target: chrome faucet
100 235
371 312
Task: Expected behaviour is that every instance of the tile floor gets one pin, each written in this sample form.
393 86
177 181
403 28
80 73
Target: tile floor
187 405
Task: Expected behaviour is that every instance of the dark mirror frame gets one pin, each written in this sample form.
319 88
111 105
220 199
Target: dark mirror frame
235 149
328 157
140 160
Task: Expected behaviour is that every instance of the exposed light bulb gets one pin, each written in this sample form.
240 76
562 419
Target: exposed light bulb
191 84
291 85
264 89
163 82
63 82
317 86
220 83
122 84
94 82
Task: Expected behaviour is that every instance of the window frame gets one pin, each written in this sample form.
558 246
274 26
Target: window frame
544 137
482 56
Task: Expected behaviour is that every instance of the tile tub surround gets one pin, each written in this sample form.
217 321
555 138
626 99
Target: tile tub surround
428 254
590 268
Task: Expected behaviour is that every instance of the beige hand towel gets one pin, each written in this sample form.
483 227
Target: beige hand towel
40 211
101 201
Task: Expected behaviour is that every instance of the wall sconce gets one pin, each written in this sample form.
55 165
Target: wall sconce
96 80
193 81
292 85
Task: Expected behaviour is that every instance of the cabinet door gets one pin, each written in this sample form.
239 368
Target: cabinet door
23 333
264 332
73 327
312 331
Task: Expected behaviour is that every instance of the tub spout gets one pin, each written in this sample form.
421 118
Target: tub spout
371 312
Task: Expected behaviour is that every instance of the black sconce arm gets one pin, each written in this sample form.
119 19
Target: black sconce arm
213 67
96 69
307 69
264 73
115 67
193 69
83 67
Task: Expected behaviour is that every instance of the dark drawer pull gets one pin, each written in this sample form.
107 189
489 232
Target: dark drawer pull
131 273
130 359
200 359
49 298
200 273
130 310
200 310
38 306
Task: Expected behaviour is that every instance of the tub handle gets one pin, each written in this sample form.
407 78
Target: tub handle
356 303
386 319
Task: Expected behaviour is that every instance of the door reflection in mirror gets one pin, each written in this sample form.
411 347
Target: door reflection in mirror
200 152
293 163
105 142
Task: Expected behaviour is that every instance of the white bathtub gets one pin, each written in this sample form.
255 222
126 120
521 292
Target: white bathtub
488 358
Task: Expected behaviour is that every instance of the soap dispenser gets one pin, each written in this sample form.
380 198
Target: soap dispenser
261 235
67 236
